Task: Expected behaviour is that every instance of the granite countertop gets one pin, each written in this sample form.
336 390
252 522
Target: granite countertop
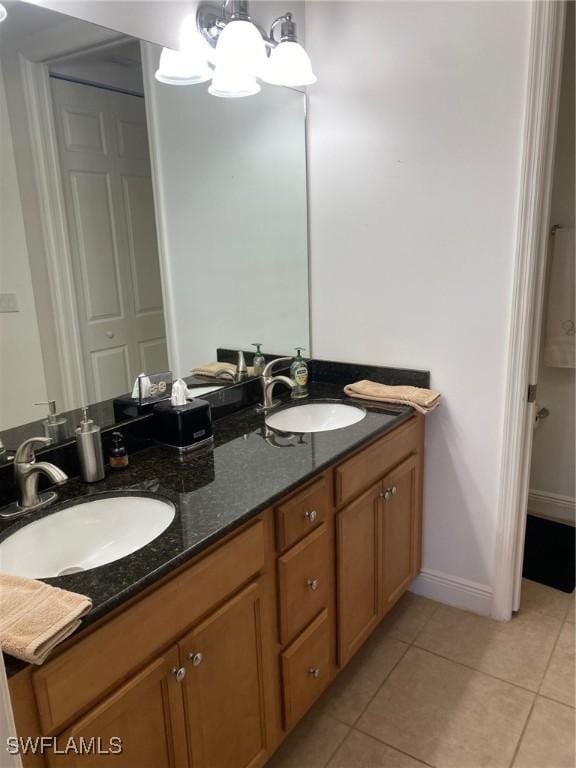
214 491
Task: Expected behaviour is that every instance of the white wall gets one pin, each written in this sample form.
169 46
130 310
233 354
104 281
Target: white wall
22 381
415 151
552 488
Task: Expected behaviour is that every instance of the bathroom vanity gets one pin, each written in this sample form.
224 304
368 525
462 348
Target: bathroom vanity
207 646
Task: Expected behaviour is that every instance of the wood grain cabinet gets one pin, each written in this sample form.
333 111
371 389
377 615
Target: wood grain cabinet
213 666
141 724
224 686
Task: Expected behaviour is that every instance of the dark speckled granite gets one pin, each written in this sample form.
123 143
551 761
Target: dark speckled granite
214 491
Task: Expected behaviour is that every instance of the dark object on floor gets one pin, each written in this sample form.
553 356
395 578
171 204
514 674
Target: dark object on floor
549 553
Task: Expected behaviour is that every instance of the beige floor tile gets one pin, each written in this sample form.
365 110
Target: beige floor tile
570 614
517 651
446 714
549 738
361 751
409 616
311 744
352 690
559 679
538 598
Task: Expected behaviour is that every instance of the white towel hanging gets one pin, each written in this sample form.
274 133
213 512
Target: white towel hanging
560 329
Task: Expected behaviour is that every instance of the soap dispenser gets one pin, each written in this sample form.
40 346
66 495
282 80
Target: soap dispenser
299 373
89 443
54 425
259 361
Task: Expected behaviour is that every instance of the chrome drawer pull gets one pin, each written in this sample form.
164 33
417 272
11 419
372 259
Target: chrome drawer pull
313 584
179 673
314 672
196 659
311 515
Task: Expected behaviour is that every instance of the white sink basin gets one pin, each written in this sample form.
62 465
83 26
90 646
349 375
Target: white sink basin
315 417
84 536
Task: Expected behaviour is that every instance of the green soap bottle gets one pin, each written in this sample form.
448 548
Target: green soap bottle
259 361
299 372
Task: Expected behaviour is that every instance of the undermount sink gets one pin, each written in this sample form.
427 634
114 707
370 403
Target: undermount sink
315 417
199 391
84 536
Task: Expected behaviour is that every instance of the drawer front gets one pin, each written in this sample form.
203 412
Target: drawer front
98 663
306 669
304 579
303 513
363 469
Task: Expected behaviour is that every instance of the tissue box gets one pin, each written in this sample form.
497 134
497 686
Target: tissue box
183 427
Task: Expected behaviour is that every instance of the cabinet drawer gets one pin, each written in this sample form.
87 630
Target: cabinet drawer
302 513
304 577
85 672
306 669
363 469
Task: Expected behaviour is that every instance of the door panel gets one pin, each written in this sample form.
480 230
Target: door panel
110 372
153 355
103 147
224 692
97 256
399 531
358 534
146 714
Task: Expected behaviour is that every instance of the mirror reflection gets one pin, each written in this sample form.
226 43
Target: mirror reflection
144 226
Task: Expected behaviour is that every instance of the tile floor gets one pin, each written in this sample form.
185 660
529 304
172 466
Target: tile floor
445 688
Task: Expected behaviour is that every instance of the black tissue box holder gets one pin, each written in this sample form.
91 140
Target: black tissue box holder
183 427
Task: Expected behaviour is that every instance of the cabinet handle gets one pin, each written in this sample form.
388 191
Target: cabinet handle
386 495
179 673
313 584
314 672
195 658
311 515
394 490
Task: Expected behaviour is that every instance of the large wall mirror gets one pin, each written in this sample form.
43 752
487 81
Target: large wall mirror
143 225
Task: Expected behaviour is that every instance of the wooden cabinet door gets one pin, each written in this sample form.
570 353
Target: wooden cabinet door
224 691
358 535
146 714
400 531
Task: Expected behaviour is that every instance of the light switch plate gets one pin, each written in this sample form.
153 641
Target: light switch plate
8 302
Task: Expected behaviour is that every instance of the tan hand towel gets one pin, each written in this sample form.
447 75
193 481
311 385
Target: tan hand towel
209 370
421 399
35 617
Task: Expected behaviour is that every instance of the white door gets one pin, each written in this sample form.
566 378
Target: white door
103 146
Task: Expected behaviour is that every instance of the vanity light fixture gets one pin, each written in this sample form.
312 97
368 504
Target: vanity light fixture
240 52
3 13
187 66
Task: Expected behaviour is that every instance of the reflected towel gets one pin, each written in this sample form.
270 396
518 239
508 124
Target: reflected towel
560 329
421 399
35 617
227 370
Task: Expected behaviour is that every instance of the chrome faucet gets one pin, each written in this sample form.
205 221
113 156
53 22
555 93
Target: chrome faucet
27 474
269 382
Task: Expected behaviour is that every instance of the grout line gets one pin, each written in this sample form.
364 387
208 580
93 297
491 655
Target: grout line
387 744
555 701
428 620
333 753
386 678
522 734
481 671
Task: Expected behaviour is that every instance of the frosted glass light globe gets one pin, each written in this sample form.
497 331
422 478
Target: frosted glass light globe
231 84
182 68
289 65
241 47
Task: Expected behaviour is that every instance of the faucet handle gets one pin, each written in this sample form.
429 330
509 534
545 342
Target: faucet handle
25 452
268 368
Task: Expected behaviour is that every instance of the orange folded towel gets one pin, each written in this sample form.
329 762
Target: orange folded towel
423 400
35 617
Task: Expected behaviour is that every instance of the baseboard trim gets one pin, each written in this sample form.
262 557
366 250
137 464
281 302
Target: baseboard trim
552 506
452 590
